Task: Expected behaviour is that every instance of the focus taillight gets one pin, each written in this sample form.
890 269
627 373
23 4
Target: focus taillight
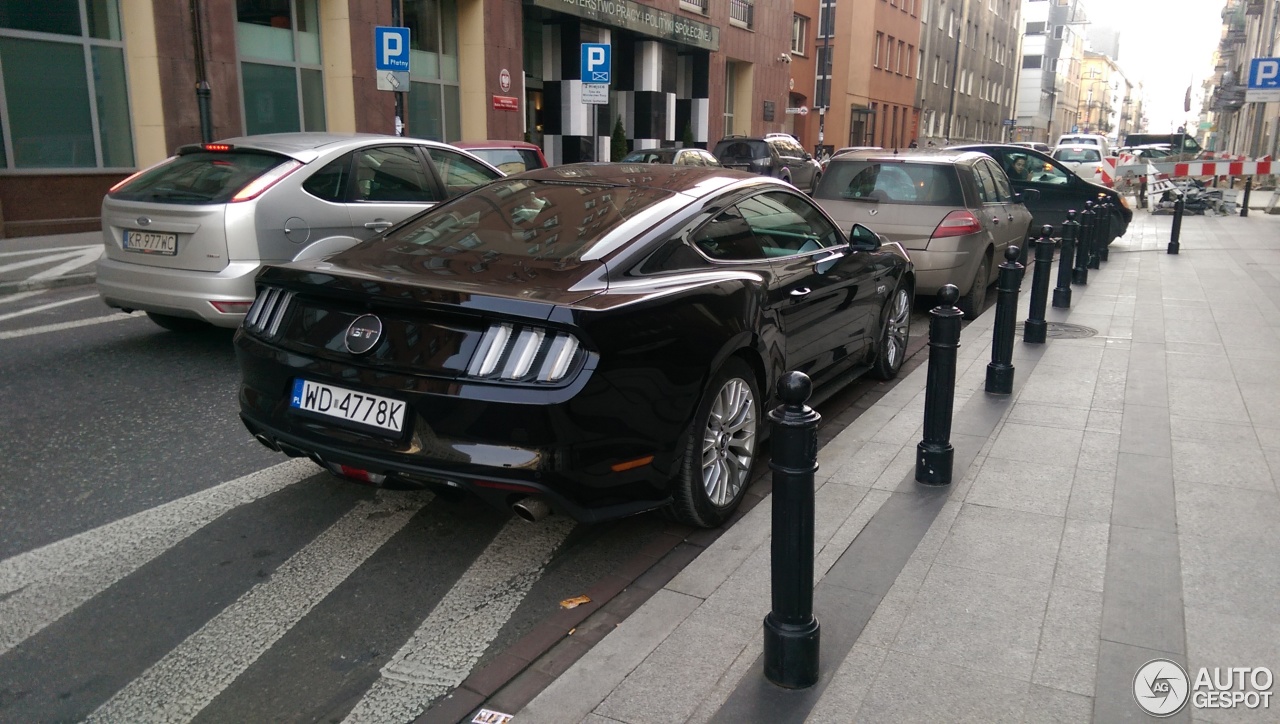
217 147
528 354
254 188
125 181
957 223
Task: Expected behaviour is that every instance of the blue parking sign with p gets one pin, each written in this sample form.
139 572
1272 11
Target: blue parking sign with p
595 63
391 49
1264 73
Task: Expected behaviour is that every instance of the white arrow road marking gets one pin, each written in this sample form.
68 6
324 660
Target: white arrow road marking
29 252
88 256
43 260
460 628
190 676
42 307
50 582
65 325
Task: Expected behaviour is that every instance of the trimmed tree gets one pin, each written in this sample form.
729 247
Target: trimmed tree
618 145
688 141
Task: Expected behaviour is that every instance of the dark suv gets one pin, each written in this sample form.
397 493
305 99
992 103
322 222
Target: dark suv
774 154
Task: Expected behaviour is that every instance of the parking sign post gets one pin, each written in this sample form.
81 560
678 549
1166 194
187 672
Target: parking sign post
391 62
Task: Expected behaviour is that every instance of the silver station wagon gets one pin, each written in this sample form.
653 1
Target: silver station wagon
184 238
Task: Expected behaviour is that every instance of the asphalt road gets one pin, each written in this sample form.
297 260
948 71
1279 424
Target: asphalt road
151 551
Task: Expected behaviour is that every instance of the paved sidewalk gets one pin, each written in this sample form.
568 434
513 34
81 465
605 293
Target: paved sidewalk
1120 506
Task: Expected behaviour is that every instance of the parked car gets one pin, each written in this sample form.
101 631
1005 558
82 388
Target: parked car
776 154
844 150
1181 145
584 337
1155 152
1085 161
677 156
1059 188
954 211
1085 139
1041 147
509 157
184 238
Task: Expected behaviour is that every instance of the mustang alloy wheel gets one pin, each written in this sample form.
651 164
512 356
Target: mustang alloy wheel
722 445
894 335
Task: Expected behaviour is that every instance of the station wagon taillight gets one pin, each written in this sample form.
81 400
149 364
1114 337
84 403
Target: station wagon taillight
957 223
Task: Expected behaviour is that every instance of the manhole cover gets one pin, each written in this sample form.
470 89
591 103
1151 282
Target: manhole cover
1063 330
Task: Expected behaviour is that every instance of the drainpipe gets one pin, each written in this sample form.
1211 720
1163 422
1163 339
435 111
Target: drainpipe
204 95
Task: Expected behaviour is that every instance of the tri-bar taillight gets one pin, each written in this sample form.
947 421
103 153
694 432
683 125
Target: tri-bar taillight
523 353
267 312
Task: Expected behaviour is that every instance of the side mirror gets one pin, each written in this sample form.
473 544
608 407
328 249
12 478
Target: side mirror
808 156
862 238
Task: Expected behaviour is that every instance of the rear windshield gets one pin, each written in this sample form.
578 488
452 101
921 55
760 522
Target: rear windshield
199 178
924 184
537 220
739 151
1085 140
1077 155
650 156
509 160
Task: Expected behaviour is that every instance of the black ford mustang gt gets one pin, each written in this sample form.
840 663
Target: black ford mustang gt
599 339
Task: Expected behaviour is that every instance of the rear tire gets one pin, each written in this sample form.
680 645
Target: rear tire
814 188
717 464
178 324
973 302
895 331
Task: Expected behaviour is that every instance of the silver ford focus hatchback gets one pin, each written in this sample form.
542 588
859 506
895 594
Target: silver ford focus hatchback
184 238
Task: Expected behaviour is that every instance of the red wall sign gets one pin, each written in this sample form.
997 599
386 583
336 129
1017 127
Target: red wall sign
506 103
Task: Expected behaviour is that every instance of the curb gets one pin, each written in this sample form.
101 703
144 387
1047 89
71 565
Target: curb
26 285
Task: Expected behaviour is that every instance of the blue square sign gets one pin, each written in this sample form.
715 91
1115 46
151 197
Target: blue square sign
595 63
391 49
1264 73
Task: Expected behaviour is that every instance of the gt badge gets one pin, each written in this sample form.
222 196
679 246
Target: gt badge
363 334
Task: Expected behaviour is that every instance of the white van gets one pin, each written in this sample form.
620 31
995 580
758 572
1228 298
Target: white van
1085 139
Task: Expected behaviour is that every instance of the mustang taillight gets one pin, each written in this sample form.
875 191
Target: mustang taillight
267 312
508 352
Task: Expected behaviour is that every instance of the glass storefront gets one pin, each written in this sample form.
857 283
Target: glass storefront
63 107
278 42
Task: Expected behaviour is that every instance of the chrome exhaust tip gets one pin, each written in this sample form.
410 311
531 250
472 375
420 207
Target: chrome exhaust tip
532 509
266 441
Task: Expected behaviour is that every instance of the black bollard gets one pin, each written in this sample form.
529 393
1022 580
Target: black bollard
934 454
1176 233
1066 258
791 632
1033 331
1080 275
1108 218
1000 369
1248 186
1095 236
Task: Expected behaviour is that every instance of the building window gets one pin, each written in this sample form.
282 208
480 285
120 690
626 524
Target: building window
730 91
1061 31
66 102
875 60
742 13
951 24
799 34
1032 61
937 62
698 6
826 18
278 42
822 82
434 99
901 56
946 75
924 12
919 64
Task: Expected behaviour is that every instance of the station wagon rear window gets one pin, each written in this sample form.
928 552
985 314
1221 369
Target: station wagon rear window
202 177
922 184
540 220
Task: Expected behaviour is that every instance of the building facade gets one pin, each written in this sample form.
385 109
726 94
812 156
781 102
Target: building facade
94 89
969 53
1103 99
1250 29
1049 85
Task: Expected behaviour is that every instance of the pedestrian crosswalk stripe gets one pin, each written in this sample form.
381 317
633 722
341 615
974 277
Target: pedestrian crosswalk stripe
44 329
446 647
43 307
43 585
190 676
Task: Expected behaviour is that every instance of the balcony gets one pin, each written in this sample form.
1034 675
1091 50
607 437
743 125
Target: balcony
697 6
1254 7
742 13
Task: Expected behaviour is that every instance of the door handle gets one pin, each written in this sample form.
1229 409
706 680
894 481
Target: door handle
801 292
829 257
995 220
378 225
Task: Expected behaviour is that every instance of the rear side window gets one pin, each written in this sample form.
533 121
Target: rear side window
924 184
458 173
330 182
199 178
509 160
